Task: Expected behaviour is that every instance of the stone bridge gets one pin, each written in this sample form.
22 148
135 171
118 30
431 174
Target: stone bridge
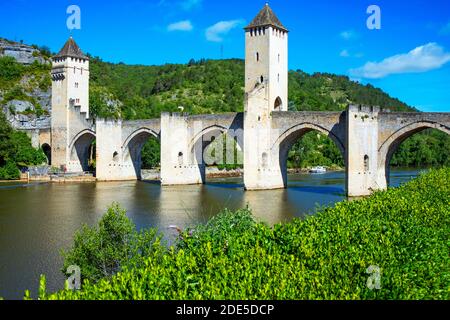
183 139
366 136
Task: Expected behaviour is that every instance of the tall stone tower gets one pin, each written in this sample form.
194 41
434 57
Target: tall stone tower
70 102
266 91
266 59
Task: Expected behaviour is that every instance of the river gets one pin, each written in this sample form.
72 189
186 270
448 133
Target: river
37 220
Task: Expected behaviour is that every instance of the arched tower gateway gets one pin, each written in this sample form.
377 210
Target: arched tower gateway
72 132
266 91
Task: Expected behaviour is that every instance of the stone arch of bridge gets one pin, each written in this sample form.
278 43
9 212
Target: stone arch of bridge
287 139
81 149
390 145
200 142
212 131
132 147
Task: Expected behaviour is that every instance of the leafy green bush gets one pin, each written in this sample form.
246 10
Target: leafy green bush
16 149
403 231
25 155
9 171
102 251
10 69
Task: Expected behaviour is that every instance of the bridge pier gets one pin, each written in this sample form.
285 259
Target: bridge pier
111 165
364 175
178 164
262 169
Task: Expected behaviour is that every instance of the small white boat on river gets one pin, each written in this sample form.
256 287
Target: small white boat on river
318 170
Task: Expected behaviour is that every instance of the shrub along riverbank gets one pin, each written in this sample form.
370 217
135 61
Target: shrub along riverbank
404 231
16 151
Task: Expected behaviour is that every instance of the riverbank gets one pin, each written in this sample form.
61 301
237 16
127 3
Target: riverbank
399 237
150 175
214 172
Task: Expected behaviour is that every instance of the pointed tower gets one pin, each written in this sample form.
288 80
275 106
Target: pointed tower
70 99
266 59
266 91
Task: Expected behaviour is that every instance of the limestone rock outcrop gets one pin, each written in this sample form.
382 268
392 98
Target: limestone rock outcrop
23 53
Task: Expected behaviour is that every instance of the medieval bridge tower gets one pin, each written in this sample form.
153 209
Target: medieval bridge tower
266 91
72 129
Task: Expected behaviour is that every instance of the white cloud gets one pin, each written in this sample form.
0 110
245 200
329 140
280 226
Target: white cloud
348 54
421 59
348 35
184 25
216 32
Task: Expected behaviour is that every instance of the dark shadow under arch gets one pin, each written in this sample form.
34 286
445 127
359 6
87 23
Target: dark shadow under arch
83 149
48 152
133 148
278 104
203 140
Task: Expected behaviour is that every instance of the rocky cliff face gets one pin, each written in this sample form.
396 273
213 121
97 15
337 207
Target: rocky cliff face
23 53
26 100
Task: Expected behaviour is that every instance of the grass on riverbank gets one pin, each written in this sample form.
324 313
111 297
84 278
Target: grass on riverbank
404 231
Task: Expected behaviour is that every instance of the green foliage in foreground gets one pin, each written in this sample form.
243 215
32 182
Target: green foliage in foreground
404 231
102 251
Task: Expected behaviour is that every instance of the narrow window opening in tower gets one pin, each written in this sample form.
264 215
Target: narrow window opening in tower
279 57
262 79
278 77
265 159
278 104
366 163
257 56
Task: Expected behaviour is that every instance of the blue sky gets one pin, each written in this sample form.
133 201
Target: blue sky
409 57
